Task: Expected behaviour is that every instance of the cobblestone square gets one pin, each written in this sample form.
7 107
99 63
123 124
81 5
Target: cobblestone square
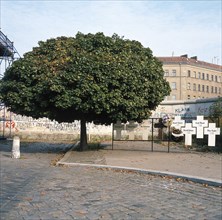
33 188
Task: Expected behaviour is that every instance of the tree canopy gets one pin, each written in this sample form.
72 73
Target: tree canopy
215 110
95 77
89 77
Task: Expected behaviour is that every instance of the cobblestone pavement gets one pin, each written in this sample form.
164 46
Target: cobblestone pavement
32 188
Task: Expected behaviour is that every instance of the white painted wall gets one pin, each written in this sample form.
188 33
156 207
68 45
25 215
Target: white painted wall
188 108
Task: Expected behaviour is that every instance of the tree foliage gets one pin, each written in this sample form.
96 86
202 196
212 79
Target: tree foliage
215 110
88 77
94 77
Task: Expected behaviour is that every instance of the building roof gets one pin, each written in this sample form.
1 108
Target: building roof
189 61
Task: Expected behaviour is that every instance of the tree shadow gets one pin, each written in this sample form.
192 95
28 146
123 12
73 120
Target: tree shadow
36 147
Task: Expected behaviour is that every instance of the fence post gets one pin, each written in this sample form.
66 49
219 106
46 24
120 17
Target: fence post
112 134
168 138
152 136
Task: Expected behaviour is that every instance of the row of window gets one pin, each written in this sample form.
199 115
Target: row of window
204 88
199 88
204 76
199 75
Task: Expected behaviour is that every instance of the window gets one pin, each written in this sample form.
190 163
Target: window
207 76
215 89
199 75
173 86
215 78
203 88
194 97
207 89
173 97
203 75
212 89
188 97
199 87
188 73
212 78
166 72
174 72
194 74
194 87
188 86
219 90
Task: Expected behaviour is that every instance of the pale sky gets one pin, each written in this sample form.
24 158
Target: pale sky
166 27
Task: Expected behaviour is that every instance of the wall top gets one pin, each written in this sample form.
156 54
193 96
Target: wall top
193 101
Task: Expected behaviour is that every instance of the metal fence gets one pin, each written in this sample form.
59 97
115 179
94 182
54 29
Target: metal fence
152 135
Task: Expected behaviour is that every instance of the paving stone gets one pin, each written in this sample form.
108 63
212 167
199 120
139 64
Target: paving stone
31 188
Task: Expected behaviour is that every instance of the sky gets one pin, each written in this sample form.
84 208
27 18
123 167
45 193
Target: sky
168 28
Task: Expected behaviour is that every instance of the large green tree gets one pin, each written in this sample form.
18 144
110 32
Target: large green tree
88 77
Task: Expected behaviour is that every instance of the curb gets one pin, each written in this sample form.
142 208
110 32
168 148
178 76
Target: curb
67 154
195 179
207 182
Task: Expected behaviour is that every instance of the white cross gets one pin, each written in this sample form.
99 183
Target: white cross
177 122
188 131
119 127
130 127
145 127
212 131
200 124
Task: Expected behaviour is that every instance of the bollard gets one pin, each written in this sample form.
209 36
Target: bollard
16 147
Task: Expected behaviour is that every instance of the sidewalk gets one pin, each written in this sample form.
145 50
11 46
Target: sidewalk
199 167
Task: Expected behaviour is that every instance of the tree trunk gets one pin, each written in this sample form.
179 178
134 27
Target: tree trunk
83 136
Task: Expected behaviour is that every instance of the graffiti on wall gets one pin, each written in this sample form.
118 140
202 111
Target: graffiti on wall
185 109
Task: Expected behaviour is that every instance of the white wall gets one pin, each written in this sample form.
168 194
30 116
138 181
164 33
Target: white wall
188 108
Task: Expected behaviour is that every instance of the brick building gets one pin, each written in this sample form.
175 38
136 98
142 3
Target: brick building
190 78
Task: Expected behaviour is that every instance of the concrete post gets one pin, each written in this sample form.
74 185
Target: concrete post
16 147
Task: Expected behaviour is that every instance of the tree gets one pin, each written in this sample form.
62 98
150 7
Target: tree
215 110
88 77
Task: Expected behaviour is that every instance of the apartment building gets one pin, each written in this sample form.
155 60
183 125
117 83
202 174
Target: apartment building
190 78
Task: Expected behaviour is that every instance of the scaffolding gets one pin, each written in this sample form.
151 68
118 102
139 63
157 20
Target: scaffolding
8 54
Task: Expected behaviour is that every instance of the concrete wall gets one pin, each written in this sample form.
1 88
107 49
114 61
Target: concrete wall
44 129
189 108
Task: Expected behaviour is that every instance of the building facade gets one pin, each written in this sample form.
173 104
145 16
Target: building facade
190 78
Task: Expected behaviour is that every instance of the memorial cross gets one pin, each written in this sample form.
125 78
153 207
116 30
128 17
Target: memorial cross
188 131
119 127
145 126
178 123
130 127
211 131
200 124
